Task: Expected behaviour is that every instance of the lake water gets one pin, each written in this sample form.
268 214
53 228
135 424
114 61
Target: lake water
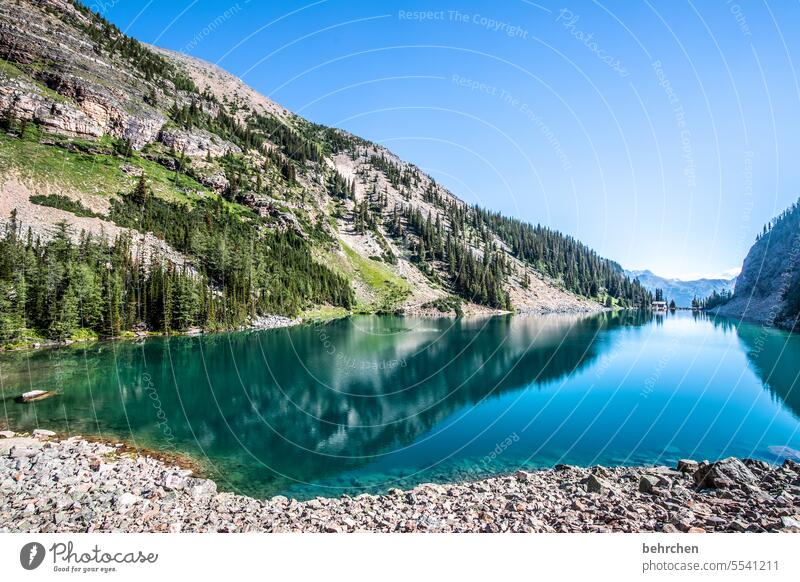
370 403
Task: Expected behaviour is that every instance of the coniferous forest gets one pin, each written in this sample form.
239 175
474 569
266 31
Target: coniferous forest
63 289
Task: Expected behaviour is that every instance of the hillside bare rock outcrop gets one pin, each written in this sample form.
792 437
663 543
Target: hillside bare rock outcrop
770 275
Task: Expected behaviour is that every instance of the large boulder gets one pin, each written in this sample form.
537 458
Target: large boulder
730 473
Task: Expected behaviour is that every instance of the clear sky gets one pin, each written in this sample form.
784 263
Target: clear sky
662 134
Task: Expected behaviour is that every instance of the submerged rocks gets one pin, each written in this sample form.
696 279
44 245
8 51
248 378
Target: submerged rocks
72 485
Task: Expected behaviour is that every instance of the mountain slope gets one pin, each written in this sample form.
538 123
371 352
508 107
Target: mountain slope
243 206
682 292
768 288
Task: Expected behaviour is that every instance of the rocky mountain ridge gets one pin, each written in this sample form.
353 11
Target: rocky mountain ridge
681 291
93 110
768 288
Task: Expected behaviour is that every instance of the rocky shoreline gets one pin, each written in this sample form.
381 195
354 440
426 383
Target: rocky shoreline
75 485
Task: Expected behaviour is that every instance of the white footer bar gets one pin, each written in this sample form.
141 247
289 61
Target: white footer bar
406 557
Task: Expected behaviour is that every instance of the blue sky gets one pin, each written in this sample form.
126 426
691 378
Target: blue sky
663 134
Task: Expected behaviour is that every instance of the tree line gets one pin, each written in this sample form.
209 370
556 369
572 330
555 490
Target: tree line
237 269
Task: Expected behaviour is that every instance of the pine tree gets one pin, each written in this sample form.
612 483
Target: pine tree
140 193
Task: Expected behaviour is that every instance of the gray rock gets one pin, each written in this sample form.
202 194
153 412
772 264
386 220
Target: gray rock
55 490
127 498
201 488
724 474
788 521
647 483
173 481
595 484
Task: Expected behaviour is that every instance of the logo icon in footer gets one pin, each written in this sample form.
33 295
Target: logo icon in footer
31 555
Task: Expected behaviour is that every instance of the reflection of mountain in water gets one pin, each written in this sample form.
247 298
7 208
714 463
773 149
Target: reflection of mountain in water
775 356
315 400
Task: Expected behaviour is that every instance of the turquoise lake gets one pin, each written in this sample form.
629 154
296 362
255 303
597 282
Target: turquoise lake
369 403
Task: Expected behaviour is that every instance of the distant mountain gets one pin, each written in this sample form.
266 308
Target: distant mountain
682 291
768 288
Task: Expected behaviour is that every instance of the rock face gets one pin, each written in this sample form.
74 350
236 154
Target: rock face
78 486
770 275
75 94
196 143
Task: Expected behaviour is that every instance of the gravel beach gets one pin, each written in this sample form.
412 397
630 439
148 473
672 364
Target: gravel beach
74 485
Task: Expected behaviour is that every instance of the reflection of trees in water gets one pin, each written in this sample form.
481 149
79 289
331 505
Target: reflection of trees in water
775 357
316 400
376 393
719 322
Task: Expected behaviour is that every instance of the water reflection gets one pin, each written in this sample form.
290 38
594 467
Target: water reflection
773 354
368 396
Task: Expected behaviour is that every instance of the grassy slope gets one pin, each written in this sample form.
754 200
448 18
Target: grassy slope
102 175
93 173
389 290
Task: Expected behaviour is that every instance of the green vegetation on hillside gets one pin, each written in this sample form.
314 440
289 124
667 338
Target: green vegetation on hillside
714 300
238 270
389 289
62 203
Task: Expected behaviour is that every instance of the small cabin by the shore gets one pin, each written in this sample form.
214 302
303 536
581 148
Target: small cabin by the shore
659 305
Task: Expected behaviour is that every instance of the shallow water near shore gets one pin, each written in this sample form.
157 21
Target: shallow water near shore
369 403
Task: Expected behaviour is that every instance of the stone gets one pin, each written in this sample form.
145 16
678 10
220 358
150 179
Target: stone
596 485
724 474
522 475
54 488
201 488
687 466
127 498
41 432
647 483
6 434
787 521
174 481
